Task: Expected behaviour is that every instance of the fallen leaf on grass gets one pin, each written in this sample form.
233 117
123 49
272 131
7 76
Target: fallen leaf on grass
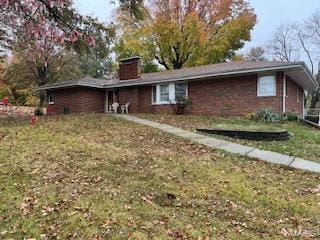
109 223
176 235
158 222
146 199
47 209
35 171
28 204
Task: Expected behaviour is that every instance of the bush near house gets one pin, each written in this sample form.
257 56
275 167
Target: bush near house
181 104
268 116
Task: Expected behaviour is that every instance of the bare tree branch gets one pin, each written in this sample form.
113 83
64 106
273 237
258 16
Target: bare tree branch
283 47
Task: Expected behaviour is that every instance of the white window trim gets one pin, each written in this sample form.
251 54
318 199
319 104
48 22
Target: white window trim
152 95
275 86
171 94
51 102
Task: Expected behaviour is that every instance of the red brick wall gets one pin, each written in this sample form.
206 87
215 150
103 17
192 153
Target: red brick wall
140 100
292 103
78 99
224 96
232 96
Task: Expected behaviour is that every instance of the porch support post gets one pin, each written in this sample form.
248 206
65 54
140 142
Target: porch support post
284 92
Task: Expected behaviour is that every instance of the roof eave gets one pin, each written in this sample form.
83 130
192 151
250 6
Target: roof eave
67 86
135 82
309 73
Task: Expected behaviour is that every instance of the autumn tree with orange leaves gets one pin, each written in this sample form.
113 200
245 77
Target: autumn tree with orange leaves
184 33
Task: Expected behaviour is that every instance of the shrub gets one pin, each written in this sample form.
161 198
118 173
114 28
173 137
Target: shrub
291 116
32 101
266 115
3 93
251 116
181 103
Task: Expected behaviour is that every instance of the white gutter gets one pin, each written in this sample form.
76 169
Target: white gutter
284 92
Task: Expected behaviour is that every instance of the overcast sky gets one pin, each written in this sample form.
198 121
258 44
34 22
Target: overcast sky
271 13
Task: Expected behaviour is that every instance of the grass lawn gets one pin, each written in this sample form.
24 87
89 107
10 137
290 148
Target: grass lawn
304 140
99 177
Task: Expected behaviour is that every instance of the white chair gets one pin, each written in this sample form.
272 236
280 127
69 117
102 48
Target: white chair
114 107
125 108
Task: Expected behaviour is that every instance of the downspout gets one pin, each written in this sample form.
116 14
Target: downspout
106 101
284 92
303 105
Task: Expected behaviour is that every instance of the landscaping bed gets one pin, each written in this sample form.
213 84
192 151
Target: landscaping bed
249 134
304 140
100 177
15 111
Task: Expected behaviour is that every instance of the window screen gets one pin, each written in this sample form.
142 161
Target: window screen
181 90
267 86
164 93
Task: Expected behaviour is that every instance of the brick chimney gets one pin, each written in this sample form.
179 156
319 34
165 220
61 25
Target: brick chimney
129 68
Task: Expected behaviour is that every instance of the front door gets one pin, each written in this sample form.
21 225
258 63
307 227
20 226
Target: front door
109 99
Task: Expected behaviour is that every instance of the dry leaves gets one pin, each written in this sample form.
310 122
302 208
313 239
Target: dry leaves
299 232
28 205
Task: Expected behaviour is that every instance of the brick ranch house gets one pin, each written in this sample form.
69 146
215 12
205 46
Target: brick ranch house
233 88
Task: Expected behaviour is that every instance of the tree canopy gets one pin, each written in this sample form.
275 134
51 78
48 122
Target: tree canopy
39 19
179 33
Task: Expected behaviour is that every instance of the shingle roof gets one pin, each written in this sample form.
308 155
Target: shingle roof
86 82
214 69
221 69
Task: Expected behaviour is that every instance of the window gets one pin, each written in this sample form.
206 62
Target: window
298 96
180 90
164 93
167 93
266 86
50 98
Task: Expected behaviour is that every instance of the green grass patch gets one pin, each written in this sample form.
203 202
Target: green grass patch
304 140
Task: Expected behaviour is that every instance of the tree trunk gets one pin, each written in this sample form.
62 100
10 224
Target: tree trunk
42 96
42 80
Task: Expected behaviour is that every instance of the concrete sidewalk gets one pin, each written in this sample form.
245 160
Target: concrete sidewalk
268 156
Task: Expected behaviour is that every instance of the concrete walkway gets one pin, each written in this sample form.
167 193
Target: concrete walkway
268 156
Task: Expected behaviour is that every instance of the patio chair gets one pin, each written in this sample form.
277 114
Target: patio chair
125 108
114 107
